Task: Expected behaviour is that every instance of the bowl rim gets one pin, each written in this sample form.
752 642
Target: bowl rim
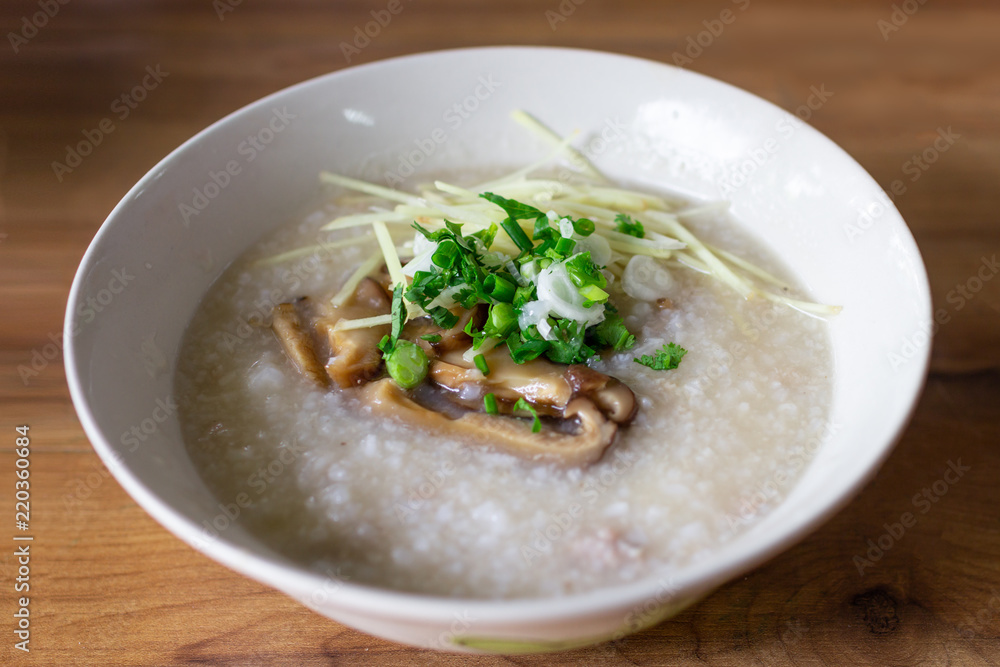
695 579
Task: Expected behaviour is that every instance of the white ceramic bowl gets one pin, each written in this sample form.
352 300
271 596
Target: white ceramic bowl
649 123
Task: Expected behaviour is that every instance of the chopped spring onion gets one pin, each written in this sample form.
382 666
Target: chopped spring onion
499 288
502 320
407 364
481 364
612 224
565 246
593 294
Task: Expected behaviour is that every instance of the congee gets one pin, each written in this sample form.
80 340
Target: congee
524 386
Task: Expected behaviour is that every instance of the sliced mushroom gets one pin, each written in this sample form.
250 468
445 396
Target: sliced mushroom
544 384
451 339
538 381
587 405
356 358
308 334
584 379
615 399
291 327
594 433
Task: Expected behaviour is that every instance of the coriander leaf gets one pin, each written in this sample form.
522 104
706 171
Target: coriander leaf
523 349
397 313
536 424
514 209
626 225
463 241
429 235
486 236
569 347
426 286
477 336
666 358
543 230
523 295
467 297
613 333
443 317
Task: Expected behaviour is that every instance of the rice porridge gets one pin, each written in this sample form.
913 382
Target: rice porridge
338 487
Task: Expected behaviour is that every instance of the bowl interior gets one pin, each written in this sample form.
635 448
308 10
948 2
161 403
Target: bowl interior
643 122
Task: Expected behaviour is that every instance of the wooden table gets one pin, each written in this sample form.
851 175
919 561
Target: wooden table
109 586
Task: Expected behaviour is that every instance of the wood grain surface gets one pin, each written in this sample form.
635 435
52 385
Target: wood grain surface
109 586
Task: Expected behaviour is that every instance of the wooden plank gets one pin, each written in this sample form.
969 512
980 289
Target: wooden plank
110 586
